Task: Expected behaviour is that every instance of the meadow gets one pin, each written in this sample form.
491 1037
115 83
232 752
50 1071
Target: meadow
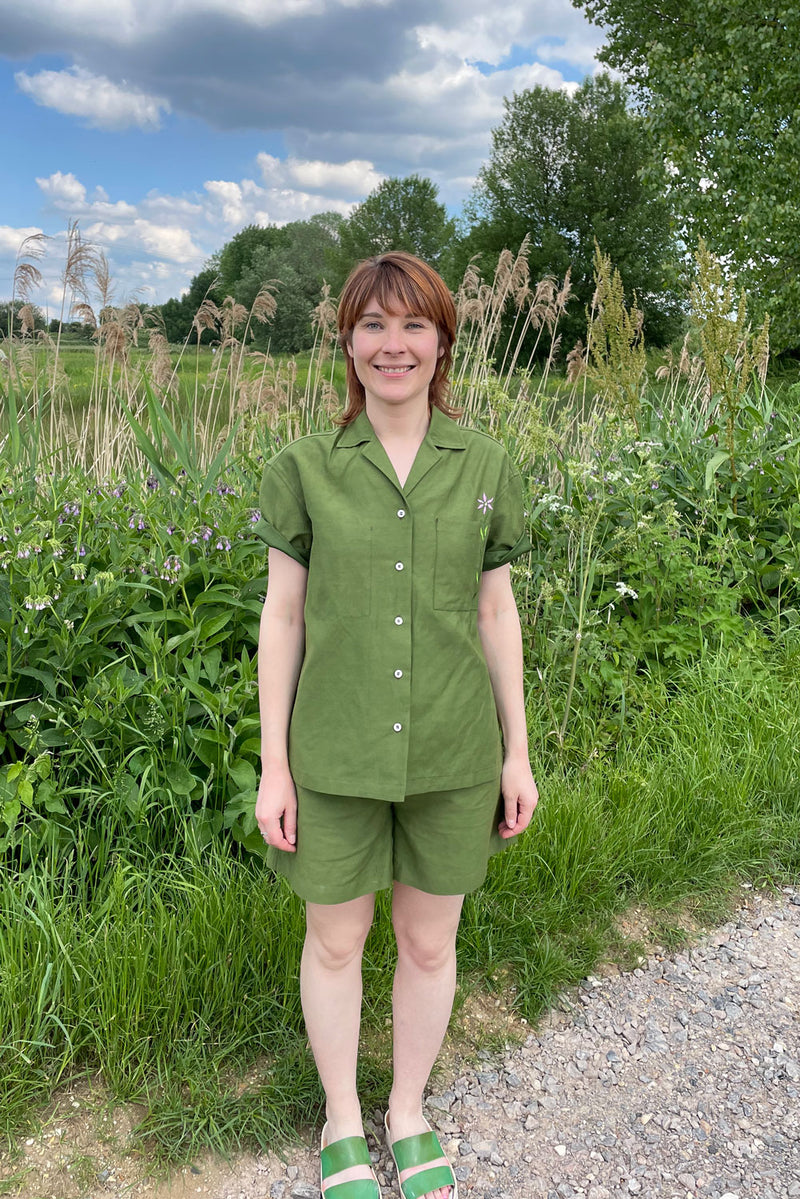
142 939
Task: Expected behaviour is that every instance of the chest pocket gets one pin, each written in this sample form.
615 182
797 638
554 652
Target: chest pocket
457 568
340 576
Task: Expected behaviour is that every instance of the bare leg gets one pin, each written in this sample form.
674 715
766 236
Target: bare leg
424 986
330 990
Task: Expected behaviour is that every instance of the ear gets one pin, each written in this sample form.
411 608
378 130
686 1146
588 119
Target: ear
348 345
440 351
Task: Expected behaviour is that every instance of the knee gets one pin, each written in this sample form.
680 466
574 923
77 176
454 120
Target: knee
427 949
336 947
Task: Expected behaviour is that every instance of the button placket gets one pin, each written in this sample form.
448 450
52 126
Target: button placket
400 547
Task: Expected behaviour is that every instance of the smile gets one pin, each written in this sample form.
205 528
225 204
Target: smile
394 370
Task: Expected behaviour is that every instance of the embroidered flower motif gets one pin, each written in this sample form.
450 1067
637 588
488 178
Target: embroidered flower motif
485 503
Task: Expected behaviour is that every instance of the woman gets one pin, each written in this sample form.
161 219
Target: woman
390 644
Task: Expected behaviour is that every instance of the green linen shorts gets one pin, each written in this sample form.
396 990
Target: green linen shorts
347 846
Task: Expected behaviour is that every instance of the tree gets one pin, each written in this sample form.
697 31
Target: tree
178 315
720 87
568 171
400 214
295 268
236 256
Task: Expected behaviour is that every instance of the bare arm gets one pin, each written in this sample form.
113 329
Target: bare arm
281 646
501 638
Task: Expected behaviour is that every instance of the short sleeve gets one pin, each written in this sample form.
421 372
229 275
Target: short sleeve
284 522
506 535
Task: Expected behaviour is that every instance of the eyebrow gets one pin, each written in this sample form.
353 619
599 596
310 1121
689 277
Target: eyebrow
408 316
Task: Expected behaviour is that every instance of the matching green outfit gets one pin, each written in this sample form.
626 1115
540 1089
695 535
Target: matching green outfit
394 697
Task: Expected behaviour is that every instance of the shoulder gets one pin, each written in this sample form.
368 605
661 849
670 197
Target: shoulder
483 448
300 455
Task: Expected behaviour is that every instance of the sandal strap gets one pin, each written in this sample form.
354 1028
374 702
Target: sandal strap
350 1151
426 1181
417 1150
359 1188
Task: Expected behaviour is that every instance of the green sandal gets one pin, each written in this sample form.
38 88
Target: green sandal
416 1151
341 1155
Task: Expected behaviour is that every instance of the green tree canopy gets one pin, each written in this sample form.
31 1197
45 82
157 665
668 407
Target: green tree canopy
720 84
400 214
295 268
569 171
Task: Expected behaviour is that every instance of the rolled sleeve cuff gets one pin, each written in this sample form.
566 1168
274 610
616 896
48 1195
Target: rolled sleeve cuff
501 555
269 534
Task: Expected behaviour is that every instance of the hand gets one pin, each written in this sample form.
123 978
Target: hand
276 809
520 796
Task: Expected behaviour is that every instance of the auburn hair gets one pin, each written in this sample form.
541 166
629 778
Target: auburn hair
397 280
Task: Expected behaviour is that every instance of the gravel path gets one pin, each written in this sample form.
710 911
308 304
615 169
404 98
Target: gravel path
678 1079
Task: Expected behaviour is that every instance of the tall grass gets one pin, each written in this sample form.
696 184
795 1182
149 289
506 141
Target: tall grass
176 976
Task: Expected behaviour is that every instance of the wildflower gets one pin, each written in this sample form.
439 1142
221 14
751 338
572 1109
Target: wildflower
102 577
255 516
78 570
171 568
170 529
223 544
24 551
70 624
625 591
39 602
137 521
153 483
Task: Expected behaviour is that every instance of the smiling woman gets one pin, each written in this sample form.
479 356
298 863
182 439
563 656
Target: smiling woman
390 644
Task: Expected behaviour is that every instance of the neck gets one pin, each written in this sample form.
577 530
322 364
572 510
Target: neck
404 423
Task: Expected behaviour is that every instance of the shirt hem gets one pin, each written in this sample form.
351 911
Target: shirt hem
416 785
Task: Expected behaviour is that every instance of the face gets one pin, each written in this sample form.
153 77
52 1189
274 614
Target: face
394 354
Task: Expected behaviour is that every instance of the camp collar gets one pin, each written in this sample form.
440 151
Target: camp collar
443 432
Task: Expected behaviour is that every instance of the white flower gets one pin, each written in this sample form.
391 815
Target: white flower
626 591
485 503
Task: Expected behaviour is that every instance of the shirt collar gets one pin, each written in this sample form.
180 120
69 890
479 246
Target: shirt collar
443 432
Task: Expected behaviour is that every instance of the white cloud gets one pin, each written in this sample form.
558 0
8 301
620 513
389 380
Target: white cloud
167 241
246 203
355 179
62 189
104 104
11 239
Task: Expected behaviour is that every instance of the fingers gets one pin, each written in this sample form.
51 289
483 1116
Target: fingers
278 823
519 809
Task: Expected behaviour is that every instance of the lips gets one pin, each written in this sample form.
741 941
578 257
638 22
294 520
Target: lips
397 371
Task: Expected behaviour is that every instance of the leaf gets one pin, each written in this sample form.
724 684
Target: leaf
713 465
180 780
243 775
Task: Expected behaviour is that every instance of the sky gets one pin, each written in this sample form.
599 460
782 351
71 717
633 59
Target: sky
164 126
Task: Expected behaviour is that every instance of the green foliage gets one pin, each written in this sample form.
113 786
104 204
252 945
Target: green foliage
731 355
178 315
617 360
400 214
567 172
128 619
721 89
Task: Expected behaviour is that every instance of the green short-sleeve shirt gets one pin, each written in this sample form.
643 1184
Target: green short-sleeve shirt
394 696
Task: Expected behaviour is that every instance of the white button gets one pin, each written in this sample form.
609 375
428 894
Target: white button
398 565
398 620
401 512
398 728
398 674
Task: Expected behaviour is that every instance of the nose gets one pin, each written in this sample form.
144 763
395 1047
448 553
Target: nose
393 342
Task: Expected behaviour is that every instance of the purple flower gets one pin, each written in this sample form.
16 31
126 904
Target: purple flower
223 544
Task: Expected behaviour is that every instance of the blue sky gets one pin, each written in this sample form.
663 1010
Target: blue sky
164 128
